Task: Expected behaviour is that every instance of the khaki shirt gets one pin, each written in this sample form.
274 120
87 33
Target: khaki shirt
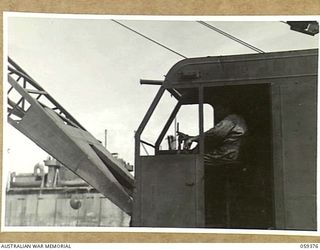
223 141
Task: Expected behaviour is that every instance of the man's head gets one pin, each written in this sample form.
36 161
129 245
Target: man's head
222 108
220 112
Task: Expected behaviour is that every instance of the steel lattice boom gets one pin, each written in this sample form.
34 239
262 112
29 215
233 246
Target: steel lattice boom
36 114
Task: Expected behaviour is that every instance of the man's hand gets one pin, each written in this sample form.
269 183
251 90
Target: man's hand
182 136
187 143
187 140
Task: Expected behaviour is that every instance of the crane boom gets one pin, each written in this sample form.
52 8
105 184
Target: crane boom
36 114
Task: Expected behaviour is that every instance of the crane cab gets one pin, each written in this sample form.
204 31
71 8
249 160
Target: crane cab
272 185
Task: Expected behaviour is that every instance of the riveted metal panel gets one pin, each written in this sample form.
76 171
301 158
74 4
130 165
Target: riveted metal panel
169 191
65 214
46 210
296 137
243 67
31 208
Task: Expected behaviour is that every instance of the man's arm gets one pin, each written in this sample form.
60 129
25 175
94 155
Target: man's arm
220 130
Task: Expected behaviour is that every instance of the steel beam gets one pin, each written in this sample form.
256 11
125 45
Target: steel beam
61 136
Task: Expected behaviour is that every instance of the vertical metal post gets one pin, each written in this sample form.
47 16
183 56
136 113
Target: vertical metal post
175 134
201 121
136 213
200 192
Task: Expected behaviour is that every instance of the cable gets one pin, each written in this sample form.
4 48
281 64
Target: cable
163 46
231 37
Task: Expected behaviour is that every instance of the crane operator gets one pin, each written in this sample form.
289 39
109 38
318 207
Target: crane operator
223 141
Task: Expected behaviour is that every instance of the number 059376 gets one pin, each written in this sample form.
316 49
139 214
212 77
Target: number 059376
309 245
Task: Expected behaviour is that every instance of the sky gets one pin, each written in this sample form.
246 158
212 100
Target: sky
92 67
